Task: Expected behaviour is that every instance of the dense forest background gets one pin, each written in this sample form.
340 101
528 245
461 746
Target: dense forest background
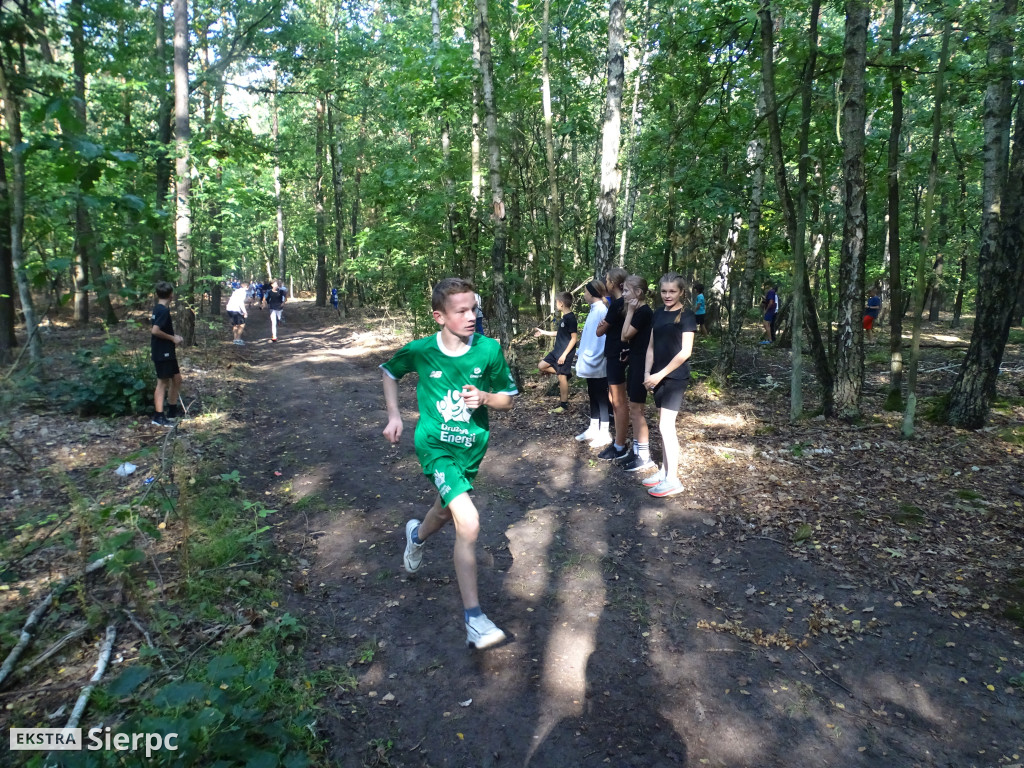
378 146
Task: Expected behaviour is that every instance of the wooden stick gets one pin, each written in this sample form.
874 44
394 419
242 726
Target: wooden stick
52 650
33 618
101 667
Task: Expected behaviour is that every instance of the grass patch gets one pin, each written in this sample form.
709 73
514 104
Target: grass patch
907 516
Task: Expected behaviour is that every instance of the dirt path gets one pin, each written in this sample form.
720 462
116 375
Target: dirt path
644 632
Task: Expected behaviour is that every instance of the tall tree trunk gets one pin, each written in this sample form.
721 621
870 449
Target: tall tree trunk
184 295
796 397
999 262
849 375
318 204
961 180
8 339
821 363
922 256
554 213
83 227
632 187
446 142
337 181
894 400
501 299
611 175
743 281
282 261
12 113
164 135
475 170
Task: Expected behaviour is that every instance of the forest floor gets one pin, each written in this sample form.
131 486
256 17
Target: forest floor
823 593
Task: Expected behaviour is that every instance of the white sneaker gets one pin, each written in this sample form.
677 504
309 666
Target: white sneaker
583 437
482 633
413 552
601 439
655 479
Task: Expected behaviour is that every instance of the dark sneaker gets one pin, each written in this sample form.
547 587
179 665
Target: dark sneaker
159 420
636 464
413 552
482 633
621 456
609 453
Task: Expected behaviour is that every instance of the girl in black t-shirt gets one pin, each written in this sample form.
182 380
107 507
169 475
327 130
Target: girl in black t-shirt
614 352
667 373
636 332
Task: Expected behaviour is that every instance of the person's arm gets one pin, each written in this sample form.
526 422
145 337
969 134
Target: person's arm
474 398
155 330
649 362
602 328
537 332
568 348
628 331
393 430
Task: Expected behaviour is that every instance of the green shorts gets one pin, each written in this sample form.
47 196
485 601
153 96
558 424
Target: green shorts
449 477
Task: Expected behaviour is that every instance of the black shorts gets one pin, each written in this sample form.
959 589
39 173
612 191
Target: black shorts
669 393
635 383
565 369
237 318
616 371
700 319
166 368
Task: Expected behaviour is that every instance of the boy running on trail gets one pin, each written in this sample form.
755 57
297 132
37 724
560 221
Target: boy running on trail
274 301
559 360
162 342
461 375
238 313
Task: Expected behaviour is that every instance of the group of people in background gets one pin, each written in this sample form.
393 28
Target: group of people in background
271 296
627 352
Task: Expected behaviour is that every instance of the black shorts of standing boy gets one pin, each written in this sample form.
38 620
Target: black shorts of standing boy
565 369
167 368
669 393
237 318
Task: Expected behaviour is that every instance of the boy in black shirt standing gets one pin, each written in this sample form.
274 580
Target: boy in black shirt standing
559 360
163 340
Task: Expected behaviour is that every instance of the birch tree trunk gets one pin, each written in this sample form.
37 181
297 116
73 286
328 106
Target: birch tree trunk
8 339
162 164
183 294
336 145
501 299
320 281
849 375
611 175
921 279
894 399
282 259
743 281
796 396
83 229
631 187
822 366
999 260
476 174
554 213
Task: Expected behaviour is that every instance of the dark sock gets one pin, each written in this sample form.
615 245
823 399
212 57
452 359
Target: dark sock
472 613
171 411
564 405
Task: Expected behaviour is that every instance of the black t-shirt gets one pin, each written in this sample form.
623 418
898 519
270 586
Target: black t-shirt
161 349
275 299
615 318
642 317
668 339
566 328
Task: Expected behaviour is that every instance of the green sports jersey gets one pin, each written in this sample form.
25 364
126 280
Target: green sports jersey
446 425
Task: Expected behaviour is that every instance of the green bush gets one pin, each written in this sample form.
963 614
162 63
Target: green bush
112 382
